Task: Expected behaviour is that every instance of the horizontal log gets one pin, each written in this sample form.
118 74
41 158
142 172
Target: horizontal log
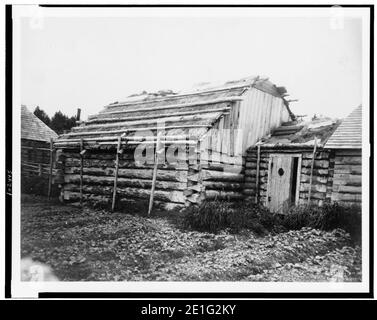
304 187
223 195
314 195
318 164
316 172
347 179
346 189
216 185
136 193
221 176
346 197
124 182
106 201
348 160
125 164
348 153
319 179
162 175
347 169
249 192
318 156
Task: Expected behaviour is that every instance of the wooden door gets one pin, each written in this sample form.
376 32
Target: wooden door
279 182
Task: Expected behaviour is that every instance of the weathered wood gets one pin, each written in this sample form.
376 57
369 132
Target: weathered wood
116 172
130 164
347 189
305 187
347 179
176 106
124 182
221 176
135 193
348 160
257 175
51 167
81 166
164 175
154 175
347 169
320 179
346 197
223 195
318 164
316 172
194 110
214 185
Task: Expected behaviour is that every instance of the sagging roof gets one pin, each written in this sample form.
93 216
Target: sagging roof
349 134
32 128
301 134
184 114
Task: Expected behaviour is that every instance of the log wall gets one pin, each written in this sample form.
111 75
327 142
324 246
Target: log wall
187 182
134 179
347 177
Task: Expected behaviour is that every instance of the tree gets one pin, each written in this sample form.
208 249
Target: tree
61 122
42 116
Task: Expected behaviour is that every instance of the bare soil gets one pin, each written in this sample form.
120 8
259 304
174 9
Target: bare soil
97 245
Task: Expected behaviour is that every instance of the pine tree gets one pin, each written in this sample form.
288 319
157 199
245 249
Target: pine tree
42 116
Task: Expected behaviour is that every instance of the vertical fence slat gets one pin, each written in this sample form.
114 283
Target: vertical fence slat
154 177
311 170
116 173
51 166
81 167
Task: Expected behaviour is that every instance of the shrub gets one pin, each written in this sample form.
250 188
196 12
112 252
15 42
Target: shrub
213 216
328 217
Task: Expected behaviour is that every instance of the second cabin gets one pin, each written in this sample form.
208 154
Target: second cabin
307 162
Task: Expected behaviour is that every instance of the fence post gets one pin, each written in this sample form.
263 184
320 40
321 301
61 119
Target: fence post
82 151
40 169
311 170
51 166
118 152
154 177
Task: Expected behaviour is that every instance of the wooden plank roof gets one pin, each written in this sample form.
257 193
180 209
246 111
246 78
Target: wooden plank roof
349 134
32 128
188 114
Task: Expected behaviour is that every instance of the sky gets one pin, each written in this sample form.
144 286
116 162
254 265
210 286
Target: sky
86 63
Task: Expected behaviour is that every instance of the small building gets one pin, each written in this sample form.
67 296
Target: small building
280 171
199 138
35 147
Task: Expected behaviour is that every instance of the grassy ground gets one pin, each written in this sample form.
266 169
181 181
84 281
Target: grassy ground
89 245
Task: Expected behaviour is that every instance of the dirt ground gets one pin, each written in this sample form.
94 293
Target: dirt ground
97 245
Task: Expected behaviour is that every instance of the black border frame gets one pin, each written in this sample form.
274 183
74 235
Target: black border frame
171 295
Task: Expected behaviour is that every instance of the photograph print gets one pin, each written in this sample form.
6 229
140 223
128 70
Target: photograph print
208 149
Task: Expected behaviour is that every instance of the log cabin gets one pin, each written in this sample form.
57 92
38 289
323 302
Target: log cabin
312 162
36 146
175 149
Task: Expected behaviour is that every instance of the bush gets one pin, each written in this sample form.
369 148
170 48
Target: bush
216 215
212 216
328 217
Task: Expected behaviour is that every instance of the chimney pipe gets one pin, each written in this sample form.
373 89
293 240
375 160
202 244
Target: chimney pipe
78 114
